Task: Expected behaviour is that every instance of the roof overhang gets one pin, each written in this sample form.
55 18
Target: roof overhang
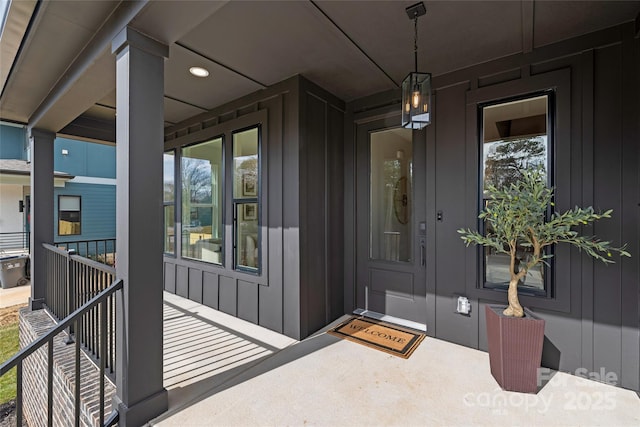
18 172
62 72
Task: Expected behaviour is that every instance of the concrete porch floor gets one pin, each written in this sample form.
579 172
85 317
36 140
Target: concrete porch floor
223 371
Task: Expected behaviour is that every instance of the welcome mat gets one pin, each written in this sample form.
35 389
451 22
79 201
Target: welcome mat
379 335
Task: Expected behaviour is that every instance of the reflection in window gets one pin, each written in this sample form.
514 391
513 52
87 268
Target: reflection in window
69 215
515 137
201 172
169 207
246 196
391 180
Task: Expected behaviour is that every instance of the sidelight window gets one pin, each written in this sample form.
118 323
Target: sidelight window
246 199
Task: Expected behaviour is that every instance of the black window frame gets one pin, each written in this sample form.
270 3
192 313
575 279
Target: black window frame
173 203
235 202
79 233
223 210
549 278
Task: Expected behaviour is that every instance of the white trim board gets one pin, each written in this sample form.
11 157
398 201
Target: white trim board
93 180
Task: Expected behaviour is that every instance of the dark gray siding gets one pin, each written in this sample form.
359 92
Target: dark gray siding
302 131
321 207
593 317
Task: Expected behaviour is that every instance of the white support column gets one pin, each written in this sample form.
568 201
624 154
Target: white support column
41 146
140 395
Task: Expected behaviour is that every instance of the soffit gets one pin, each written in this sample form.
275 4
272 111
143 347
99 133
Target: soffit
177 18
270 41
352 49
452 34
18 18
63 29
220 87
555 21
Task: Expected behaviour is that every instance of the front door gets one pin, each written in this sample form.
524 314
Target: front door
391 228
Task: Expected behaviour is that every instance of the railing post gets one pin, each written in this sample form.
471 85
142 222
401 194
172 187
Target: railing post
70 284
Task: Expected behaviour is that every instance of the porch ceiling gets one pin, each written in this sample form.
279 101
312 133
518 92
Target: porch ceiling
351 48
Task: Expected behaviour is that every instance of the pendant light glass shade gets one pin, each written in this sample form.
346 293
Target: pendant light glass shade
416 100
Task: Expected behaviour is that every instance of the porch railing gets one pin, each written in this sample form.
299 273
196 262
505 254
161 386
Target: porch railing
101 250
76 320
16 241
73 280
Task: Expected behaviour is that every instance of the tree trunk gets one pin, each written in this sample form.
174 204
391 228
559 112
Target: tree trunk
514 309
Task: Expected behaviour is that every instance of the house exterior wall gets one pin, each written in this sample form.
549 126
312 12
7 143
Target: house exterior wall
98 211
12 142
592 320
84 159
301 138
11 219
94 169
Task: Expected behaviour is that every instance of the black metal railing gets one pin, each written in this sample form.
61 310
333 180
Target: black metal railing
71 281
17 241
76 320
101 250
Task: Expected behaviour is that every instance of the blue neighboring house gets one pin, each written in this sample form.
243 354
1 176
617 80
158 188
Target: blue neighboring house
84 187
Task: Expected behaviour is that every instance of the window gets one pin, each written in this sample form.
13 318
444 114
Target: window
69 215
169 204
391 181
246 200
516 136
202 201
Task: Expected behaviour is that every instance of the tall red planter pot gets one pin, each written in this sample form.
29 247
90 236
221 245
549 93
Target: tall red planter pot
515 349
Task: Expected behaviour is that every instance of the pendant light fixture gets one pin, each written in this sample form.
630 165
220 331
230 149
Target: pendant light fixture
416 87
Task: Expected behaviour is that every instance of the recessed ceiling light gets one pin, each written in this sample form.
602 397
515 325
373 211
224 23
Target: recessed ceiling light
199 71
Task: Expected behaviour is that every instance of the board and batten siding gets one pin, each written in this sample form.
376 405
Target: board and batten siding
300 287
592 321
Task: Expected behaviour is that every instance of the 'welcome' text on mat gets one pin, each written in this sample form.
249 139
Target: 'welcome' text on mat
382 336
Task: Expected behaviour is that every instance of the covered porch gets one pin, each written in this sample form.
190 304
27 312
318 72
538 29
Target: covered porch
220 370
324 380
245 136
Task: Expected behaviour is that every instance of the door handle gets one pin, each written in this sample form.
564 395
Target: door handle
423 253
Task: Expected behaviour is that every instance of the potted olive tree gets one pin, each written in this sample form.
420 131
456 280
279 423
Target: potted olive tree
516 218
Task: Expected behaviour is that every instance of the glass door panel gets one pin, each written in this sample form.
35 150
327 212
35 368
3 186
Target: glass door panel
390 190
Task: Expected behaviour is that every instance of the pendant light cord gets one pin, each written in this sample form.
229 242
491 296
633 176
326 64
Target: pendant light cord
415 40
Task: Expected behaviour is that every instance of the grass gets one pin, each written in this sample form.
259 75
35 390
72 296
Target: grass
9 343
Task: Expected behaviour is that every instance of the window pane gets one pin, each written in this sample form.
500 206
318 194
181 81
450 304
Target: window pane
69 215
390 195
245 164
169 177
246 194
202 201
247 255
169 229
515 137
169 202
69 203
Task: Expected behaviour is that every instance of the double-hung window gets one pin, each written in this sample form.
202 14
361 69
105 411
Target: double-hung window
69 215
